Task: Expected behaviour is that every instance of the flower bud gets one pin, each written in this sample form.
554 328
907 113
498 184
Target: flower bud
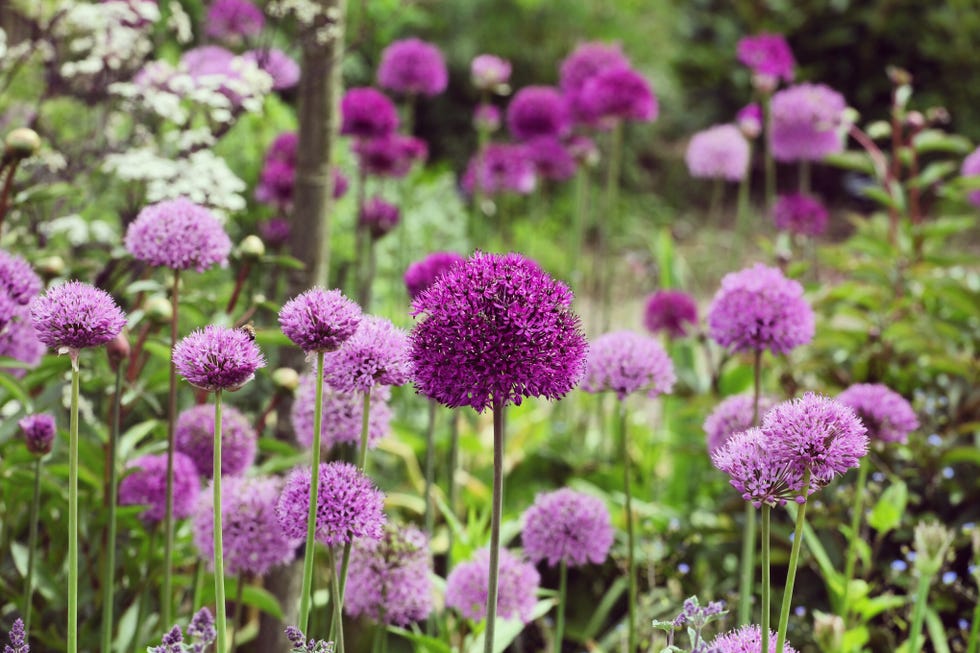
39 432
828 631
251 248
286 379
932 541
159 310
22 143
118 350
50 267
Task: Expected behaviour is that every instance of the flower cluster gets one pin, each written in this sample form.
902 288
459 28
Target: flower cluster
800 214
194 437
886 415
39 432
501 168
19 341
303 645
760 476
746 638
74 316
767 56
616 94
551 159
422 274
377 354
585 62
201 630
342 415
749 120
719 152
538 111
670 311
413 67
320 320
367 113
971 168
379 217
276 64
216 358
18 639
178 234
490 73
392 155
806 122
18 285
626 362
732 416
147 485
468 585
233 20
567 526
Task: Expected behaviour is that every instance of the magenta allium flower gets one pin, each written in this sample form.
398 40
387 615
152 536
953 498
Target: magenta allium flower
276 182
800 214
148 485
233 20
732 416
616 94
971 168
379 217
625 362
39 432
538 111
341 417
275 232
670 311
18 282
413 67
719 152
194 437
19 341
390 156
178 234
468 585
277 64
758 308
749 120
377 354
747 639
493 330
501 168
551 159
320 320
216 358
585 62
806 122
253 542
389 579
367 113
567 526
349 506
74 316
758 474
283 148
340 183
490 73
886 415
767 55
486 118
422 274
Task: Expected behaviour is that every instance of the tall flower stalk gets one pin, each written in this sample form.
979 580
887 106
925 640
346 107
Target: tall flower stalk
39 433
219 559
109 573
166 596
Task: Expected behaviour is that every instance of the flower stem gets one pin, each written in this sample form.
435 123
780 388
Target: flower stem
794 561
851 560
578 230
219 558
453 488
630 534
73 510
32 545
430 463
306 594
108 580
918 611
770 164
744 193
495 516
974 640
236 623
766 588
168 520
717 194
365 423
562 594
748 567
338 602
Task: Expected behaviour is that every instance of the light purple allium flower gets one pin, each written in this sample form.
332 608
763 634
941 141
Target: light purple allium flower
486 118
17 638
413 67
767 55
800 214
732 416
216 358
551 159
205 63
567 526
806 122
178 234
538 111
389 579
758 308
379 217
886 415
493 330
377 354
747 639
625 362
468 585
277 64
148 485
585 62
275 232
39 431
342 415
616 94
490 73
18 283
74 316
233 20
320 320
422 274
194 437
19 341
719 152
253 540
971 168
367 113
501 168
749 120
390 156
349 506
759 475
670 311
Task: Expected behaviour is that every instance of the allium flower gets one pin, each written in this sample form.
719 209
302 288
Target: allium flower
283 148
749 120
39 432
758 474
200 630
389 579
340 183
625 362
319 320
215 358
277 64
377 354
490 73
194 437
767 55
379 217
719 152
17 279
501 168
19 341
413 67
567 526
747 639
214 68
493 330
178 234
800 214
276 182
585 62
615 94
806 122
233 20
367 113
670 311
486 118
758 308
886 415
468 585
971 168
732 416
74 316
422 274
538 111
275 232
348 505
148 485
253 540
390 156
341 417
551 159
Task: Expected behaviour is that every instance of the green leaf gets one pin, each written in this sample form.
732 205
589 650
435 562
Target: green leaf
252 595
422 643
851 160
887 513
935 140
507 630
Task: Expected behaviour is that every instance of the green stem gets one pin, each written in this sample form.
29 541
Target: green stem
748 567
612 204
166 597
562 594
32 545
974 640
219 557
306 594
495 516
851 560
630 534
578 230
144 595
766 579
918 612
73 509
756 386
198 585
236 623
338 603
365 422
770 164
453 488
794 561
108 580
430 464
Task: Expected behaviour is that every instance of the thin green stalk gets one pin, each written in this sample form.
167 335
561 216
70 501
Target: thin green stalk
73 509
360 234
32 545
236 623
430 465
578 229
166 596
794 561
770 164
306 594
197 585
365 422
756 385
562 595
338 604
851 560
219 557
766 587
748 567
612 203
145 594
109 573
918 612
974 640
495 516
630 534
453 488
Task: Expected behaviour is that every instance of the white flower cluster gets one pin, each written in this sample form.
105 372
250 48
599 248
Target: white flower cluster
105 35
306 13
180 23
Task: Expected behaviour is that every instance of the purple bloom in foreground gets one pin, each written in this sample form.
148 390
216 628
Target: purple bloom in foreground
625 362
379 217
501 168
758 474
147 485
277 64
747 639
468 585
341 417
732 416
320 320
233 20
18 639
178 234
19 341
422 274
413 67
616 94
216 358
367 113
377 354
887 415
671 311
39 432
800 214
537 111
806 120
767 55
971 168
567 526
74 316
719 152
551 159
194 437
749 120
390 156
490 73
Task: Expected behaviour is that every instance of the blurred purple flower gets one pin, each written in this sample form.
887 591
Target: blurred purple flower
379 217
567 526
233 20
490 73
800 214
390 156
486 118
367 113
422 274
538 111
275 232
74 316
625 362
320 320
670 311
341 417
749 120
769 56
413 67
585 62
615 94
971 168
886 415
468 584
178 234
501 168
194 437
279 66
732 416
39 431
217 358
551 159
806 122
147 485
18 280
719 152
18 340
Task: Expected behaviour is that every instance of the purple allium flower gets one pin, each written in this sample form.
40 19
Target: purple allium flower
501 168
39 432
583 149
253 540
283 148
348 505
19 341
469 582
615 94
585 62
886 415
747 639
422 274
551 159
493 330
320 320
390 156
276 182
670 311
413 67
367 113
178 234
377 354
379 217
758 474
719 152
567 526
538 111
275 232
148 485
486 118
732 416
17 279
340 183
625 362
971 168
800 214
233 20
758 308
277 64
341 417
749 120
194 437
18 639
74 316
806 121
767 55
216 358
490 73
389 579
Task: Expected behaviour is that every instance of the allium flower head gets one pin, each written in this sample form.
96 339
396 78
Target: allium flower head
749 120
194 437
719 152
275 232
486 118
422 274
971 168
148 485
19 341
39 432
367 113
584 63
320 320
341 417
758 474
283 148
277 64
806 121
379 217
74 316
800 214
233 20
493 330
747 639
671 311
567 526
551 158
616 94
758 308
413 67
501 168
625 362
538 111
490 73
216 358
390 156
887 415
17 279
377 354
178 234
768 55
517 583
276 182
732 416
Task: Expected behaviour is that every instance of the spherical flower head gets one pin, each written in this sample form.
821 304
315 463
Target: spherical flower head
767 55
39 431
320 320
719 152
749 120
283 148
17 279
517 584
755 471
495 329
422 274
367 113
379 217
971 168
490 73
349 506
233 20
616 94
253 542
586 61
276 182
731 416
887 415
178 234
413 67
377 354
625 362
758 308
18 340
216 358
747 639
389 580
501 168
194 437
390 156
486 118
567 526
551 158
800 214
277 64
670 311
147 485
538 111
341 417
806 122
74 316
275 232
